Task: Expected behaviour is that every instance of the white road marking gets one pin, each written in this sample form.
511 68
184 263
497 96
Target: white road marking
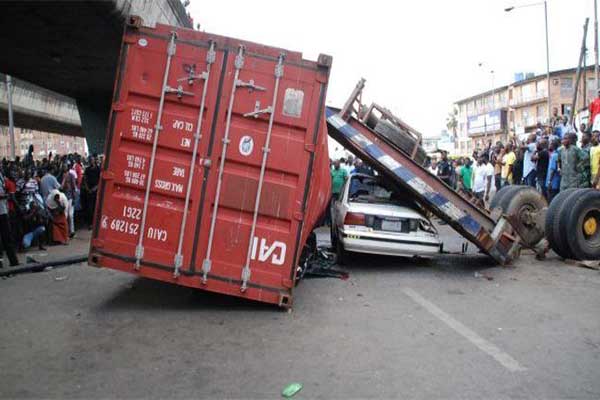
506 360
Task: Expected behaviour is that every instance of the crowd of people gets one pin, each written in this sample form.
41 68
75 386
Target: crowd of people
44 201
551 159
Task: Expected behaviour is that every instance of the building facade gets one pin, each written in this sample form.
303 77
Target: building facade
515 109
43 143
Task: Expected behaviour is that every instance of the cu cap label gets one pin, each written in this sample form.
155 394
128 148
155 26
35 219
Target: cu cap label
246 145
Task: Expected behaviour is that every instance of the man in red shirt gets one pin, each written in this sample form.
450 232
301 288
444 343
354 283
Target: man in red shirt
594 110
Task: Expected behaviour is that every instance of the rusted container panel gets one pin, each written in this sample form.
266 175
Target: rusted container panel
216 148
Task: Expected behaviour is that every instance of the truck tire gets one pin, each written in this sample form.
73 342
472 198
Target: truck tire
583 228
561 246
520 202
498 196
400 139
509 192
552 218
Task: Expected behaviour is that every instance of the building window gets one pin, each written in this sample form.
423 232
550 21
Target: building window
541 112
566 87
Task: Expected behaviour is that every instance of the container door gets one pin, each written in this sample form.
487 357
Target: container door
157 153
255 189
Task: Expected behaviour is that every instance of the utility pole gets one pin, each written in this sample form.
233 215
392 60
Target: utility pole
545 4
11 123
578 78
547 60
596 42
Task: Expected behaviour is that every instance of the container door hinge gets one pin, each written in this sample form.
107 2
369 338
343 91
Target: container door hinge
118 106
309 147
299 216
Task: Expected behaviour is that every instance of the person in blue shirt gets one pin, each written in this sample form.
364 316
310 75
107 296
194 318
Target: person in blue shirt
553 175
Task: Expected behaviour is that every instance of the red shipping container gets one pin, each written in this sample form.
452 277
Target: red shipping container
216 167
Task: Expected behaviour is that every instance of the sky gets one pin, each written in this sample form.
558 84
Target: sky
418 56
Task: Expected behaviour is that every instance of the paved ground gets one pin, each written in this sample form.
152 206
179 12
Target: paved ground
395 329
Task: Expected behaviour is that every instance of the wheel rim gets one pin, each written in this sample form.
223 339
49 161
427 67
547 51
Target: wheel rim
589 226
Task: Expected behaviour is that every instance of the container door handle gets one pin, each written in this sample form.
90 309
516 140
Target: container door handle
210 59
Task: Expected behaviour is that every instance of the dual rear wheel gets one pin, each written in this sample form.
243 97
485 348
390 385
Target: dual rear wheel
573 224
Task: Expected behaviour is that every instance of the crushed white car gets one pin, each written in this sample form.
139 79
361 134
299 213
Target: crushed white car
373 217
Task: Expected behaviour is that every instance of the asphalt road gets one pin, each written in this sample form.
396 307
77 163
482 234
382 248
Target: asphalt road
453 327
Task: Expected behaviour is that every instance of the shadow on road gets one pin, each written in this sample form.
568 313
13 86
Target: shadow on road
148 294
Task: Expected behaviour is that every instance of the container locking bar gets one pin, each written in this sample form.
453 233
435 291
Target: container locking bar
210 59
207 263
139 250
246 269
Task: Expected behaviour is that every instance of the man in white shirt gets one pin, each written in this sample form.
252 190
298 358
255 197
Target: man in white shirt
482 180
433 168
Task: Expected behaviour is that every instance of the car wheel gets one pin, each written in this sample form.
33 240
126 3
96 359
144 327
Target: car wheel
342 255
583 228
552 219
560 228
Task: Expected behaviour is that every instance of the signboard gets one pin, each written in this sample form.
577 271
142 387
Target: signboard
493 121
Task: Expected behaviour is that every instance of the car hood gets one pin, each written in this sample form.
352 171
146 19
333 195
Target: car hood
386 210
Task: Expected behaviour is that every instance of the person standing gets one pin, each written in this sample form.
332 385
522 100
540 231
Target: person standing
48 183
508 161
542 157
584 162
594 110
69 185
568 160
433 167
444 169
595 159
482 180
338 177
553 174
496 161
91 179
5 233
466 177
529 165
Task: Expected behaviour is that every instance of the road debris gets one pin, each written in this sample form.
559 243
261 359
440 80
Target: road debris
291 390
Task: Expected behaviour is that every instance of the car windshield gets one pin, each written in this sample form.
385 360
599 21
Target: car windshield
367 189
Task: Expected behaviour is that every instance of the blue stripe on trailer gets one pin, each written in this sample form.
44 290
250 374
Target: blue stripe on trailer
404 174
373 150
470 224
415 182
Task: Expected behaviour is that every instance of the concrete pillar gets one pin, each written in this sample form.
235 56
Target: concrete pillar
94 112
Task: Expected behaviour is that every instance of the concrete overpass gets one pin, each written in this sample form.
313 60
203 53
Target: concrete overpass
71 48
41 109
